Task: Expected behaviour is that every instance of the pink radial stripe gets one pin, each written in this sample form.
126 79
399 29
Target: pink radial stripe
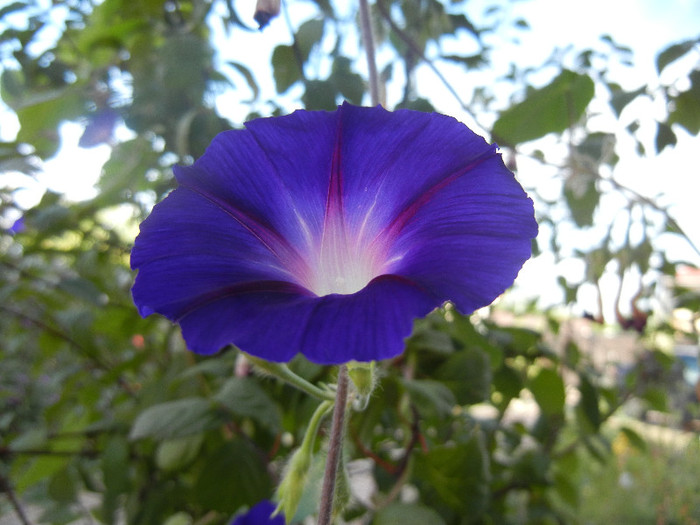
277 245
343 263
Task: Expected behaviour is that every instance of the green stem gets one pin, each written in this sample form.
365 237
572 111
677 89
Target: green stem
282 372
335 446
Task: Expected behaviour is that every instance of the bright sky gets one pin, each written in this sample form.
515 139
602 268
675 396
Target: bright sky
646 26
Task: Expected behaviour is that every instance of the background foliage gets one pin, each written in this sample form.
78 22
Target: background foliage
104 416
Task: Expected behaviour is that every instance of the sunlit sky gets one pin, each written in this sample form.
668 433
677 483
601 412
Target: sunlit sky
646 26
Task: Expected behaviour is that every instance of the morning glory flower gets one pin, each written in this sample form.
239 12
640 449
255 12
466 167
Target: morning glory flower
328 233
260 514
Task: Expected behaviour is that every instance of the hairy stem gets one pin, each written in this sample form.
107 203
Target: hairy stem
335 447
368 40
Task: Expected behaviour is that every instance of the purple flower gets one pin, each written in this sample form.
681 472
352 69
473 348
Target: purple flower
259 515
327 233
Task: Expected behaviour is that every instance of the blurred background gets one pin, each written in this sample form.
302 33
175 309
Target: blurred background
574 398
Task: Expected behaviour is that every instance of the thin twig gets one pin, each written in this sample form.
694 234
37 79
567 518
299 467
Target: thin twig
368 40
335 447
419 52
16 505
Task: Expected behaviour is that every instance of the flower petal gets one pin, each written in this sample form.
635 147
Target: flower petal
327 233
277 322
467 241
188 248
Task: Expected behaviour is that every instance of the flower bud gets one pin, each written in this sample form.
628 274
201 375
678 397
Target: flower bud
364 380
266 10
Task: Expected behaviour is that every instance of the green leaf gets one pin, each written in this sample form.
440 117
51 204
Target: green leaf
582 196
39 120
673 53
407 514
285 68
550 109
115 466
350 85
244 397
175 454
620 98
319 94
548 388
238 467
634 438
174 419
467 373
62 486
588 406
308 35
456 475
431 398
664 137
249 78
686 110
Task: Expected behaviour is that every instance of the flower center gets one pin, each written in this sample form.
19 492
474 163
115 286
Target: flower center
344 263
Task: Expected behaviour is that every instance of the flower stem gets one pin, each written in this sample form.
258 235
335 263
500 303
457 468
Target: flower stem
282 372
335 446
368 40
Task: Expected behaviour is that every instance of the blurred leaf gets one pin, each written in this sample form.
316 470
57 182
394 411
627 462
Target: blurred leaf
664 137
548 388
39 120
686 111
308 35
249 78
588 406
582 196
673 53
285 68
239 467
175 419
550 109
457 475
350 85
319 94
174 454
634 438
467 373
620 98
431 398
407 514
244 397
62 486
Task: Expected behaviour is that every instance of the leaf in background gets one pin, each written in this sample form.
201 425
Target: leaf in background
456 475
244 397
664 137
351 85
550 109
174 419
673 53
249 78
407 514
175 454
432 398
285 68
620 98
548 388
238 467
467 373
686 111
319 94
308 35
582 196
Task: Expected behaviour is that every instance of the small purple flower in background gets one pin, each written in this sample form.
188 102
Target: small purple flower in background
260 514
328 233
18 226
